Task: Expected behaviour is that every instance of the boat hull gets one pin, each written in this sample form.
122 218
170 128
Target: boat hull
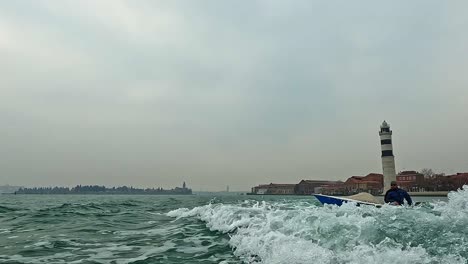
328 199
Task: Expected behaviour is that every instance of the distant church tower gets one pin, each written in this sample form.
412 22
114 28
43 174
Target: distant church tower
388 160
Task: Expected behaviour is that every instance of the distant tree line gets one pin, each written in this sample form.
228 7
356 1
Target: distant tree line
95 189
441 182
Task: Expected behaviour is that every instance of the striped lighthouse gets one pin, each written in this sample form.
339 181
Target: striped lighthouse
388 160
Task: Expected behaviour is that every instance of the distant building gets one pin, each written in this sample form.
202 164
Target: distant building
336 188
388 159
416 182
411 181
260 189
458 180
183 190
371 183
308 187
304 187
273 188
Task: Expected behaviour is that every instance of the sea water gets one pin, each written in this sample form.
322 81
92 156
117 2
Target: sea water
228 229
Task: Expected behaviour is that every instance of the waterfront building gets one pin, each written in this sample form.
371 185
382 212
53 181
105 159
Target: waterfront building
259 189
388 159
273 188
308 187
411 181
371 183
337 188
458 180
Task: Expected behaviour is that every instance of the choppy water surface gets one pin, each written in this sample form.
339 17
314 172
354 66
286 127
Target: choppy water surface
228 229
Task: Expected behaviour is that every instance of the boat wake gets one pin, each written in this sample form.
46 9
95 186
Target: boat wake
302 231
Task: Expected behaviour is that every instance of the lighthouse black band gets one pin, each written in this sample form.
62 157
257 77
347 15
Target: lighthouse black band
385 141
386 153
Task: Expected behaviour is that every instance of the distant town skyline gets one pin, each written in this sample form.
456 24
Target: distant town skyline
217 93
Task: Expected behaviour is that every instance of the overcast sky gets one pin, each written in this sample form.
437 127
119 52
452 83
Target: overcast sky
238 93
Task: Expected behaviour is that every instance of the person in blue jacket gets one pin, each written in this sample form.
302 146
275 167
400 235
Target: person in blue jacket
396 195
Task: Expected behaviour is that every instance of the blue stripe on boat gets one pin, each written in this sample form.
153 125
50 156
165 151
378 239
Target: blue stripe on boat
324 199
327 199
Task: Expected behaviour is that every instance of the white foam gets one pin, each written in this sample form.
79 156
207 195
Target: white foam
3 231
301 232
456 209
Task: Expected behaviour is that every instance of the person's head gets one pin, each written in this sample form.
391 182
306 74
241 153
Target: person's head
393 185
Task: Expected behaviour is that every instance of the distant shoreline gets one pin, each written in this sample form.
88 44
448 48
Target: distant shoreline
97 190
96 194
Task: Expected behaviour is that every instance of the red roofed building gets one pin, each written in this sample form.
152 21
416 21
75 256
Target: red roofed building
410 180
372 183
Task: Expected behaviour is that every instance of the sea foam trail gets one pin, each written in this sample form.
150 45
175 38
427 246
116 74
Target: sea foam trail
303 232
